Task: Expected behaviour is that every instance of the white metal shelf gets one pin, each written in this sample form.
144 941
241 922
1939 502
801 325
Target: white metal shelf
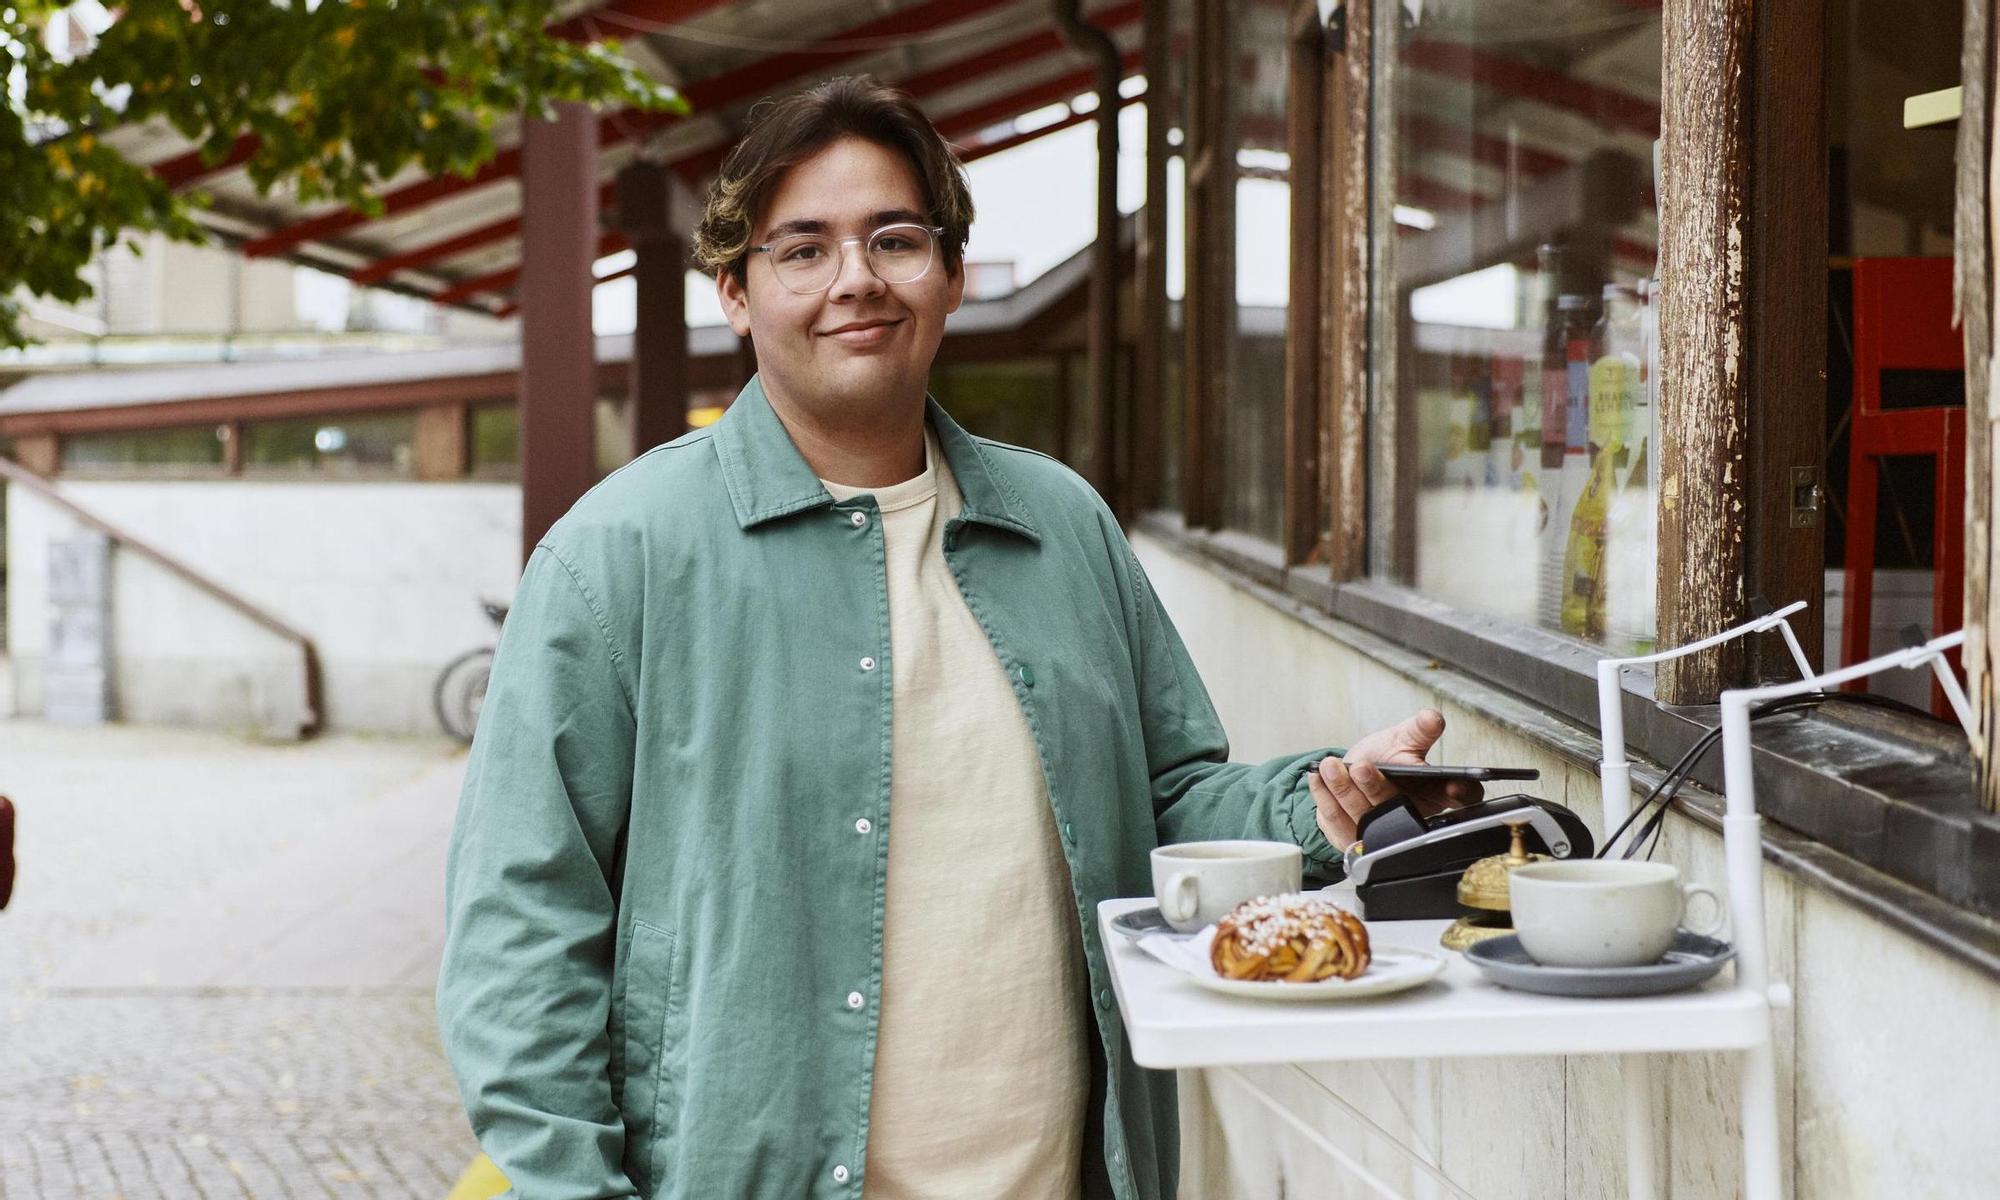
1170 1021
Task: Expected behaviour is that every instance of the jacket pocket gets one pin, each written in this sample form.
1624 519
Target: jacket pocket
642 1040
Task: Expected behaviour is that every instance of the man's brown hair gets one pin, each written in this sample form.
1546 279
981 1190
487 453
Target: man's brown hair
787 132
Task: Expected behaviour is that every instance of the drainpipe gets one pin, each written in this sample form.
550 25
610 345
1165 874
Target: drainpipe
1103 341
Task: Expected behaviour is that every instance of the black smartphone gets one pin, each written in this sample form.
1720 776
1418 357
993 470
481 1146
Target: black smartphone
1408 771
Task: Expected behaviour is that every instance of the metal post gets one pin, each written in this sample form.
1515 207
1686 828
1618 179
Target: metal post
558 347
1743 848
659 340
1642 1177
1104 251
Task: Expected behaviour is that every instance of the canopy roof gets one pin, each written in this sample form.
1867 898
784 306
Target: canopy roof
975 65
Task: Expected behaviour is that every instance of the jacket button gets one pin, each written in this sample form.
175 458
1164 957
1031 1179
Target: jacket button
1026 674
854 1000
862 826
858 519
868 664
1104 998
1069 833
840 1173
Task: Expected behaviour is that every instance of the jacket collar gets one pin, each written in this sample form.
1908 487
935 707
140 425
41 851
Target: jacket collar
768 478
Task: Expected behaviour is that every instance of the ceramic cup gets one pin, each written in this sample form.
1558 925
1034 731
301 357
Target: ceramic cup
1601 913
1197 883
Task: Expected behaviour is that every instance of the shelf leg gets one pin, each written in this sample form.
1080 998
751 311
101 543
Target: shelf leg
1761 1176
1642 1181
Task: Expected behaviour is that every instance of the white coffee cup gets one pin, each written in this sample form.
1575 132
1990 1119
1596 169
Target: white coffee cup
1601 912
1197 883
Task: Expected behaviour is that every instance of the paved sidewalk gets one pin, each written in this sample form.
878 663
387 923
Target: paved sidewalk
215 978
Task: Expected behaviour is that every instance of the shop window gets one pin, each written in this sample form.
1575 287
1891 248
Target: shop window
199 448
362 445
1171 99
495 435
1514 462
1253 403
1236 186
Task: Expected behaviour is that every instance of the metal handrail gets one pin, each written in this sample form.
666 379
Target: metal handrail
308 653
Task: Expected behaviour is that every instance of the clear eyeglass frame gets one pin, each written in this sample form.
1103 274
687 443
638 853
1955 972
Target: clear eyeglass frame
803 277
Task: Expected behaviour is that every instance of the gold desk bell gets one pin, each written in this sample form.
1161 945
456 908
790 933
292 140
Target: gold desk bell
1484 887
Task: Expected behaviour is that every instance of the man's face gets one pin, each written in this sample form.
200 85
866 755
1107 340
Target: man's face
862 342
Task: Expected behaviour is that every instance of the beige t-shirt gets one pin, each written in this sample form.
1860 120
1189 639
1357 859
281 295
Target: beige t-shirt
981 1068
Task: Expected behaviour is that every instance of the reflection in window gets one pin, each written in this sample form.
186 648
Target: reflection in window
1171 95
371 444
196 447
1253 416
1514 336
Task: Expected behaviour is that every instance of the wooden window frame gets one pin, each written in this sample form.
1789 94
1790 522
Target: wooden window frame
1744 222
1306 451
1209 297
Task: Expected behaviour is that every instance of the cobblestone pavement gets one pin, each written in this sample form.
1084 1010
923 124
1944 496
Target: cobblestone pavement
207 985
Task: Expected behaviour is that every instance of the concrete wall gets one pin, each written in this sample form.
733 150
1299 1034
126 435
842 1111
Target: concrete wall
384 577
1884 1062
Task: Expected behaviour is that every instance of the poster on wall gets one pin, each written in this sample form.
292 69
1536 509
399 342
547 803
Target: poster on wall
76 676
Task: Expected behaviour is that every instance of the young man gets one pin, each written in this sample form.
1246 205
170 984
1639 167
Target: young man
814 740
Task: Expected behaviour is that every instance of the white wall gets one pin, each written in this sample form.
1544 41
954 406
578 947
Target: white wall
384 577
1885 1060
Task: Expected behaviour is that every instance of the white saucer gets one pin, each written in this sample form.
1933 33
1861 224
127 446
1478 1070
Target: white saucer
1390 969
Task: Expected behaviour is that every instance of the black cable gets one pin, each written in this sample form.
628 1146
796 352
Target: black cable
1661 797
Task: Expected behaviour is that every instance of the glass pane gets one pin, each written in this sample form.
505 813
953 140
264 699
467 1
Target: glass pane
1172 96
199 446
496 440
1253 417
1513 469
373 444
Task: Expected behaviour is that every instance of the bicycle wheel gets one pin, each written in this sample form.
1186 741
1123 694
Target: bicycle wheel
461 690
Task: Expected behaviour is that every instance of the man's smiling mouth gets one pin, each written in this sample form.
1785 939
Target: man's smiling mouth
862 333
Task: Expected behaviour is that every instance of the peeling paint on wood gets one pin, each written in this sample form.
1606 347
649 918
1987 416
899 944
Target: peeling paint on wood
1346 203
1977 231
1705 163
1305 345
1785 299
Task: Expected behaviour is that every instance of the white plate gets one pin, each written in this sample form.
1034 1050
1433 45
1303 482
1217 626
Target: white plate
1390 969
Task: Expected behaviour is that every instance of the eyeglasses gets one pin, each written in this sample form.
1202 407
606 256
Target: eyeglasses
808 263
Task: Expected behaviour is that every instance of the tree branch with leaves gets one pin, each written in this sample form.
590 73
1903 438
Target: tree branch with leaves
339 98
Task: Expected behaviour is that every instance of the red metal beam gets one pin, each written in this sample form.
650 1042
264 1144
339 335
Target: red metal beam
702 163
603 21
471 239
1512 76
1024 50
718 91
699 163
1001 108
184 170
1480 147
980 150
1421 191
766 74
989 113
458 293
513 306
502 166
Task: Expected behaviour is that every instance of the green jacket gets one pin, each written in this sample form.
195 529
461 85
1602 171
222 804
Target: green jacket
658 901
